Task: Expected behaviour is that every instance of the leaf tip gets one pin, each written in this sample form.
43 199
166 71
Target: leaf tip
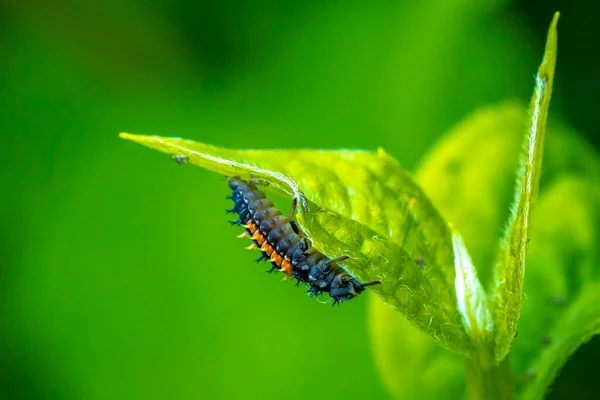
555 19
546 70
129 136
551 41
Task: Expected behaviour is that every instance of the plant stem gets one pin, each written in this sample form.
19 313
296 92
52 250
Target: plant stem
489 382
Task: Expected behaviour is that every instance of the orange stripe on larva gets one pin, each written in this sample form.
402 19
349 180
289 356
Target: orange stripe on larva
276 258
283 264
266 247
258 237
286 266
250 225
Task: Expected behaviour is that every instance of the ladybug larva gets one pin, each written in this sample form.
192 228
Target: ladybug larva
281 242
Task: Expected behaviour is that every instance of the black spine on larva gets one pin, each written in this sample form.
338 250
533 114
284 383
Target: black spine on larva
239 190
308 265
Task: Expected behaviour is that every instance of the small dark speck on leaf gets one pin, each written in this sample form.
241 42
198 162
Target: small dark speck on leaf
560 300
530 373
545 341
419 261
180 159
453 166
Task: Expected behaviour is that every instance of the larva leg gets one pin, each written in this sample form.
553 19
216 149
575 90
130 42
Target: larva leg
299 198
293 208
335 260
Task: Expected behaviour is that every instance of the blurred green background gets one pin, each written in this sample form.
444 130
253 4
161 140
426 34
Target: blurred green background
120 277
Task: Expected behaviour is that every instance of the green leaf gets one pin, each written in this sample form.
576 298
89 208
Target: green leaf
411 364
472 302
364 205
563 266
568 154
509 273
469 175
471 167
579 323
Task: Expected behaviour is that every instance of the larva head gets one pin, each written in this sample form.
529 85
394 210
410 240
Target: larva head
322 274
345 287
